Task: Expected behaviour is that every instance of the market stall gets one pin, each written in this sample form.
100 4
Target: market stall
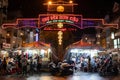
36 49
4 53
83 49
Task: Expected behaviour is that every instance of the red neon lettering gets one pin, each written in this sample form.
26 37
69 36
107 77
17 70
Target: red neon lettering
54 17
57 29
74 19
45 19
63 17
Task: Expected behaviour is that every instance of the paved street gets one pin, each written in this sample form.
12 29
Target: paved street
48 76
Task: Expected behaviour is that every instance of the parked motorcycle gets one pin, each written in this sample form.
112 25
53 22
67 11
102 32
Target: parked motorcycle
66 69
53 68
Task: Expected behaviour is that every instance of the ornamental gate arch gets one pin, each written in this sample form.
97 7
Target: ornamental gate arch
48 19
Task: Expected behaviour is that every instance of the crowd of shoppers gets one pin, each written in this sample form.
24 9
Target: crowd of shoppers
20 64
101 64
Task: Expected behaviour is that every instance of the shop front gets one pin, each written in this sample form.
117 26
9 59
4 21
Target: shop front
82 49
37 49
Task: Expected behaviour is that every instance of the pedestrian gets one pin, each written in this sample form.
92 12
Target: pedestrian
0 65
24 65
89 64
4 66
39 63
31 66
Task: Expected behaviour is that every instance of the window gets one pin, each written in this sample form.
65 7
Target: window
118 42
7 40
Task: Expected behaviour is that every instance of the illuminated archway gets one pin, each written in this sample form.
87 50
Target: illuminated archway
47 19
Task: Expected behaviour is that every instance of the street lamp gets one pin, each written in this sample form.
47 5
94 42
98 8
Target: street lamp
49 2
60 6
21 34
13 42
70 1
8 34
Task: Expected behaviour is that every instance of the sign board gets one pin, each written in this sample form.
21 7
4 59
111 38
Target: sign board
91 23
6 45
27 23
56 18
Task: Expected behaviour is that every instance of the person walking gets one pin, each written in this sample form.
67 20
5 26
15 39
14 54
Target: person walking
24 65
39 64
31 66
0 66
4 66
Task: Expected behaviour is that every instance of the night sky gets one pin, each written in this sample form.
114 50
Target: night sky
88 8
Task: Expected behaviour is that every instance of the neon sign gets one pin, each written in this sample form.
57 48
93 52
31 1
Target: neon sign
58 21
91 23
59 17
71 19
59 29
27 23
12 25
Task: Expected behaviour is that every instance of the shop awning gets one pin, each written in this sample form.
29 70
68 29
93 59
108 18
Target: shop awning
37 45
84 45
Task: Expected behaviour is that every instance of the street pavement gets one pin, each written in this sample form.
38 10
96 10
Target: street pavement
47 76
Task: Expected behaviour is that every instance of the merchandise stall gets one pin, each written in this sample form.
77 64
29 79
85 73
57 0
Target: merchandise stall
4 53
84 49
115 52
37 49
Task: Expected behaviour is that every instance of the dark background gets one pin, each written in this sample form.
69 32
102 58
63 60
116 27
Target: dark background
88 8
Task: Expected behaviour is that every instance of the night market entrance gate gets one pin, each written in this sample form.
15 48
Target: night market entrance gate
44 20
47 19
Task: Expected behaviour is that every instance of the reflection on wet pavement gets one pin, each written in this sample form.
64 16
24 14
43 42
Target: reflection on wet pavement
48 76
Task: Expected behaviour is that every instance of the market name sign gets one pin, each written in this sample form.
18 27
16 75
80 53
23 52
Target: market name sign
49 19
45 19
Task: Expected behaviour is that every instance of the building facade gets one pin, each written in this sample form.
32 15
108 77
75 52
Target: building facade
110 36
3 17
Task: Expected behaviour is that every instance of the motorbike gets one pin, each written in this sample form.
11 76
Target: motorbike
66 69
53 68
109 68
